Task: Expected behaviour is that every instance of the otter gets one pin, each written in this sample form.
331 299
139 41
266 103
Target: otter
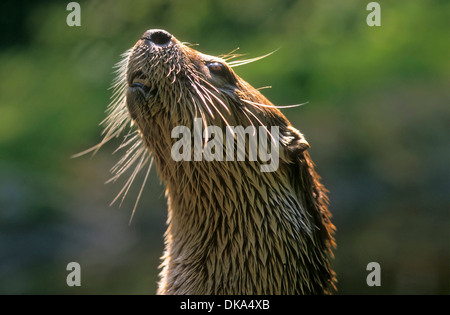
232 228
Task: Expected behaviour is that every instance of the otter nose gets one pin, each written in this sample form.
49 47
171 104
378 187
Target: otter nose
157 37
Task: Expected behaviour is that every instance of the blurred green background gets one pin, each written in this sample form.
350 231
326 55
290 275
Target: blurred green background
377 119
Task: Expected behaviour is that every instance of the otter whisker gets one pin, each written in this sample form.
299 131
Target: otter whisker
126 161
249 120
200 95
255 104
210 101
215 96
261 124
187 44
218 111
238 63
142 188
124 143
123 192
231 55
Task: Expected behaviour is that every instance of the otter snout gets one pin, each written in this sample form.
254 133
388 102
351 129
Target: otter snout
157 37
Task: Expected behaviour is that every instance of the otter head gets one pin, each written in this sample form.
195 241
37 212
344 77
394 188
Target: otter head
166 77
170 84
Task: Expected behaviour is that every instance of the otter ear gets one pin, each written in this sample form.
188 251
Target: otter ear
295 143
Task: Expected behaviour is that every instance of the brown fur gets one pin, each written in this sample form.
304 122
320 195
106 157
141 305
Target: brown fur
232 229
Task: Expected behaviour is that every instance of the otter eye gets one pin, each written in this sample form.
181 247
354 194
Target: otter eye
216 68
220 69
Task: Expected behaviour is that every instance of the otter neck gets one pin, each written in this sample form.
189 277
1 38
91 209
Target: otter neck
235 230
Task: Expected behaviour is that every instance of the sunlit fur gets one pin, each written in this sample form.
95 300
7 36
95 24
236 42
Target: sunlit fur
232 229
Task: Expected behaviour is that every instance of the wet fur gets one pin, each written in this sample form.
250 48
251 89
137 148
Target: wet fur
232 229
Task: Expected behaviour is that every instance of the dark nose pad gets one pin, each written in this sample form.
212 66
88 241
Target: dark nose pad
157 37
